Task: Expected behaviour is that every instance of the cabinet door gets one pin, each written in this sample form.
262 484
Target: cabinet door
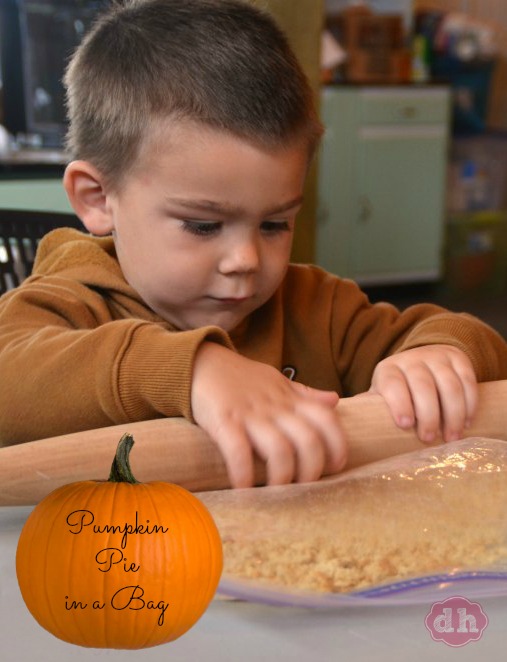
397 225
337 169
37 195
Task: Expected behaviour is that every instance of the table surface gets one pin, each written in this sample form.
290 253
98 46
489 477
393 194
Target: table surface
233 631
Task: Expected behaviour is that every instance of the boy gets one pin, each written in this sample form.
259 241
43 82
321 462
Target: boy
192 127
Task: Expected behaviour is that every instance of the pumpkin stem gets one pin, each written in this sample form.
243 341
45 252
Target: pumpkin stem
120 469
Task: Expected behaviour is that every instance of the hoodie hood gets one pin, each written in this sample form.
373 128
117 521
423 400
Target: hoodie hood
71 254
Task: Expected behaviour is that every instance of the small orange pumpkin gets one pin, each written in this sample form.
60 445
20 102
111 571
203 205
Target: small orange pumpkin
118 563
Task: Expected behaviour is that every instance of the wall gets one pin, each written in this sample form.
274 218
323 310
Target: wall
494 12
302 21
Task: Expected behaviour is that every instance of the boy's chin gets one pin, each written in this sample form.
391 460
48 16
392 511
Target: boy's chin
226 322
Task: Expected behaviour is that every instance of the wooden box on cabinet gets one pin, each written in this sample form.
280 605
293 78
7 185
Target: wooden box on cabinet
382 178
374 45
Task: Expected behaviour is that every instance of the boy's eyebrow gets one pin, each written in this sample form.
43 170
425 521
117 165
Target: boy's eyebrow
231 210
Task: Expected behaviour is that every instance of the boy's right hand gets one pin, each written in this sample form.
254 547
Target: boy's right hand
247 406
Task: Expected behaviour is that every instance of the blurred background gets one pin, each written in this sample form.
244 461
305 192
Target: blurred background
408 193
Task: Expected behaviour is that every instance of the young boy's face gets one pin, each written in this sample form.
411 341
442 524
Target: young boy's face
203 224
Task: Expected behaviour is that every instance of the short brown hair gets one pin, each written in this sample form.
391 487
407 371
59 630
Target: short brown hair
223 63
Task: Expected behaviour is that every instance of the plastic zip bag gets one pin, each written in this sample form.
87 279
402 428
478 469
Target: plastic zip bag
413 528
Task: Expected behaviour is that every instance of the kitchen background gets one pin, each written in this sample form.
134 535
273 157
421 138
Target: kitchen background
408 196
461 43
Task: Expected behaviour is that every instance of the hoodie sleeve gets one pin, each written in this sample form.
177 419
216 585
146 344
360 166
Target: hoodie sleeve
364 333
67 366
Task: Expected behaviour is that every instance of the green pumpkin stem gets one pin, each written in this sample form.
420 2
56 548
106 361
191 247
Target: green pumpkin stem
120 469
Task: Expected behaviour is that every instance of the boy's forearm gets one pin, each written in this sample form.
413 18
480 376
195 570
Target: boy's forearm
57 380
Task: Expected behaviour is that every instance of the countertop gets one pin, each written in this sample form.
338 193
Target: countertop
234 631
32 164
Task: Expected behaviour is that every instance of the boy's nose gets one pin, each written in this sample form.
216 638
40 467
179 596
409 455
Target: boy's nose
240 258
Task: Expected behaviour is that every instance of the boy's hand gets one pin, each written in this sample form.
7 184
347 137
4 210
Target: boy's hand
433 388
247 406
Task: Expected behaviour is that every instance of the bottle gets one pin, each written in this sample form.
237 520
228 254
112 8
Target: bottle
475 187
420 67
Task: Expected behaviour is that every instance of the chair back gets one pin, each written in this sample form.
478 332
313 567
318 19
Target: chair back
20 233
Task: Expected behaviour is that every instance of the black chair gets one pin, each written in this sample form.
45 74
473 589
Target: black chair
20 233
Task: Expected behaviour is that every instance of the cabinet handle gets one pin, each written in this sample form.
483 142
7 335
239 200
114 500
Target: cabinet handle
408 112
322 214
365 209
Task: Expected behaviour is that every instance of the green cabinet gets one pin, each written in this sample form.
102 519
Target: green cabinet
34 194
382 182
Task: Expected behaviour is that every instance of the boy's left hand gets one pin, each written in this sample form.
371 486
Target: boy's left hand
433 388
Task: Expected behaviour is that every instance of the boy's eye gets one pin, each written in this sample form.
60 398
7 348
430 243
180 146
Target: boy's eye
273 227
201 228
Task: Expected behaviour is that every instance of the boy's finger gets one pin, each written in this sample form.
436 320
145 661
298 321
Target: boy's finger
426 403
274 447
326 424
468 380
471 392
391 384
237 453
308 444
452 403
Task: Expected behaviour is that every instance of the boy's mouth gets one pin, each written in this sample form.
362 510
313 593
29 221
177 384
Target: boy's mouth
230 301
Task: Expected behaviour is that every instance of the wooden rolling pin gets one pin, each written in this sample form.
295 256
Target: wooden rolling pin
174 450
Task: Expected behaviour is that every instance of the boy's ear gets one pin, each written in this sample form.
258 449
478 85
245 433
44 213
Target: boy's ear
85 189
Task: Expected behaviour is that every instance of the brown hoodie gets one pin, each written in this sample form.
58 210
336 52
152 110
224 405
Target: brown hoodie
79 349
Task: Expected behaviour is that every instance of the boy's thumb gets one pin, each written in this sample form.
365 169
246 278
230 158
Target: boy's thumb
328 397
